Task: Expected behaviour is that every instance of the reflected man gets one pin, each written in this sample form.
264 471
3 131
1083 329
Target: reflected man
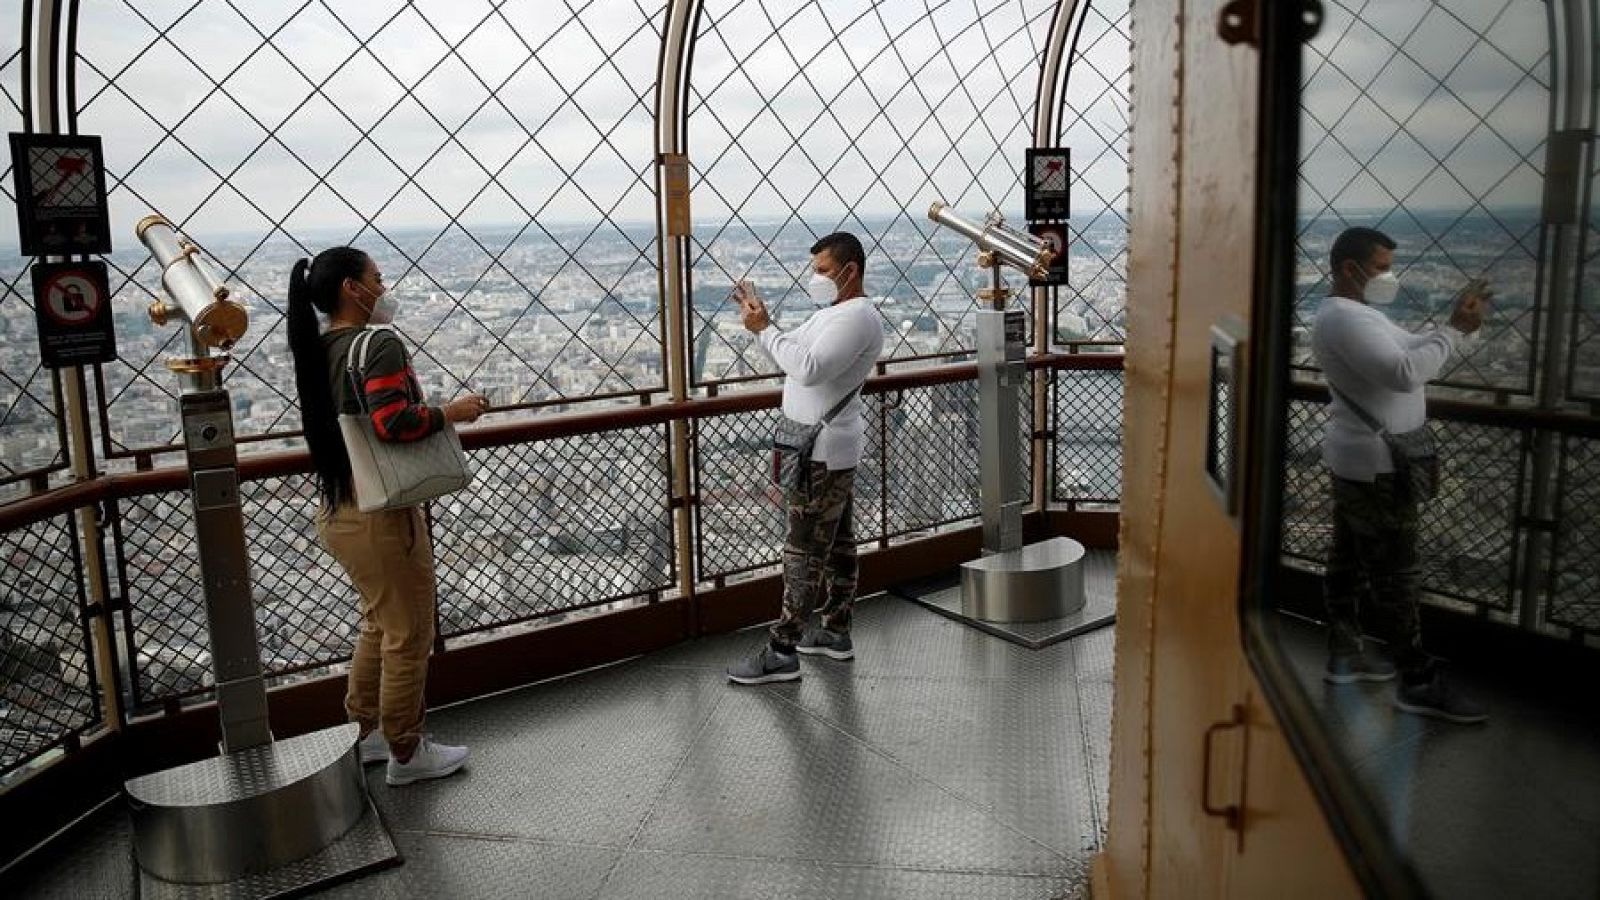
1377 373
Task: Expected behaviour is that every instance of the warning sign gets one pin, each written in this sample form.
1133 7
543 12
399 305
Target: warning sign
61 194
73 308
1054 236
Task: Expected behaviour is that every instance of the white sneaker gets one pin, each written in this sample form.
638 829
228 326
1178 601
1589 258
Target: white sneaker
430 761
374 749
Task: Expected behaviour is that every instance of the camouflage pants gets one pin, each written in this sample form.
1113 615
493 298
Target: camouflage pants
1375 559
819 555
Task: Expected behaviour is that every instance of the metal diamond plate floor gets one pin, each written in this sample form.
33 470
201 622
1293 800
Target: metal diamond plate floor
942 763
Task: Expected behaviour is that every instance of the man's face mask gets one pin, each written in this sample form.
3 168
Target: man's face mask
821 289
824 291
1381 289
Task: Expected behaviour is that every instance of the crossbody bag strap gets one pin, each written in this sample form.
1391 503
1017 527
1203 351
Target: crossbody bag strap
838 407
1366 417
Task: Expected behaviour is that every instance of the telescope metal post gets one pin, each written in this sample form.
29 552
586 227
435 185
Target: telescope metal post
1001 373
213 464
1032 594
264 818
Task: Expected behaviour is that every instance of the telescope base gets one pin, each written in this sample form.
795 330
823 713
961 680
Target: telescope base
268 821
1096 589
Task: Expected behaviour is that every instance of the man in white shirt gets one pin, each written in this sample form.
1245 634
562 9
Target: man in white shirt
1378 371
824 361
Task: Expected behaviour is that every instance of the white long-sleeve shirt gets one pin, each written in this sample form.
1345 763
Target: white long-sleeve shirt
826 357
1380 366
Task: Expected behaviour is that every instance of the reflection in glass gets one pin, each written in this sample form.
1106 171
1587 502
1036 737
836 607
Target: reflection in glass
1437 151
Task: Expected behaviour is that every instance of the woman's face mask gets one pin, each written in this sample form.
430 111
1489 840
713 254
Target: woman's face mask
384 306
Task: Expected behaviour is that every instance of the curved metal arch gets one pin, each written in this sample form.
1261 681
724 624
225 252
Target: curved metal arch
1054 69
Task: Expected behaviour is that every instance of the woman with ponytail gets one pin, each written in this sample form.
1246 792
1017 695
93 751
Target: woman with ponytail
387 554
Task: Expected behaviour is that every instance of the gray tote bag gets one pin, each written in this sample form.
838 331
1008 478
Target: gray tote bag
389 475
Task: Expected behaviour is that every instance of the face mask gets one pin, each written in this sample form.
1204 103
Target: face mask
822 290
383 309
1381 289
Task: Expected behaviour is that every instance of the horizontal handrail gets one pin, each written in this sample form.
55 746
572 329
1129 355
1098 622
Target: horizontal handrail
1444 409
264 466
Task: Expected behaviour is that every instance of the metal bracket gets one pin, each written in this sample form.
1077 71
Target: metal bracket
1240 22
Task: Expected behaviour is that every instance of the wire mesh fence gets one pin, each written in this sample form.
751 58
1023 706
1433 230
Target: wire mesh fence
495 160
919 471
740 519
806 118
1094 124
1468 534
1086 453
555 526
1574 583
49 689
305 608
32 436
1428 121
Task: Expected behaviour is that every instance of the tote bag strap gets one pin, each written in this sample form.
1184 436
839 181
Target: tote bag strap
355 363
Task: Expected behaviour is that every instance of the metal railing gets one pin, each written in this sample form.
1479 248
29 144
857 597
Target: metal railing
1473 533
567 514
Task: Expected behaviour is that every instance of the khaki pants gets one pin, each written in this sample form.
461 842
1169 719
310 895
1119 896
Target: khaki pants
389 558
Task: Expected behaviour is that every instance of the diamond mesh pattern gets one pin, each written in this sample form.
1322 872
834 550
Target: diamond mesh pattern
1574 600
1088 445
448 138
555 526
1094 122
305 608
919 470
1467 533
806 118
30 426
1428 121
740 521
933 475
1307 497
47 677
168 649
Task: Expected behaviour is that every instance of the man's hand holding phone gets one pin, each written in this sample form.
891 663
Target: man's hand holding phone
752 312
1472 305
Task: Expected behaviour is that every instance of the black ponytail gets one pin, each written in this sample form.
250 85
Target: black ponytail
314 287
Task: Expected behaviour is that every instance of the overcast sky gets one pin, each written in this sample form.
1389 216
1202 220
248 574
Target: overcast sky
926 91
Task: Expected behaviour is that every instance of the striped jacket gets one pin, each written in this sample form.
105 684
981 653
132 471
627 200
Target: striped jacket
399 413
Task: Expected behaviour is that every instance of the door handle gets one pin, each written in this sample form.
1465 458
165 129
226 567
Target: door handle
1231 814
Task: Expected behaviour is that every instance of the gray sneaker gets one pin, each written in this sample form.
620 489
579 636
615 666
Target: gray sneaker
765 665
822 642
1436 699
1349 668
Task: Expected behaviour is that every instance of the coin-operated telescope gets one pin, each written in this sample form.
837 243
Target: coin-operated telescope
262 811
997 243
1010 582
194 295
